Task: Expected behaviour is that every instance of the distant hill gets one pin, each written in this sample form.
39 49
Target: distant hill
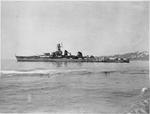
143 55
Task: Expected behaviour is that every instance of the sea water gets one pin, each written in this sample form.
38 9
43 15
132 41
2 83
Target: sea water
76 88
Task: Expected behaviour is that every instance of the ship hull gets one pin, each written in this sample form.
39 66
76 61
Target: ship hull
47 59
26 59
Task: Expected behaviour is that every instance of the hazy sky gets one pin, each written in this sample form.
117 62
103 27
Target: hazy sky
95 28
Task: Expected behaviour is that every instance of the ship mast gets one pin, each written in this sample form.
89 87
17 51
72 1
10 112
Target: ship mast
59 46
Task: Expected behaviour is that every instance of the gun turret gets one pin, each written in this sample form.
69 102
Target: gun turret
79 55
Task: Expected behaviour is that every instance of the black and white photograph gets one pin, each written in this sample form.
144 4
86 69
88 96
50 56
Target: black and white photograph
74 57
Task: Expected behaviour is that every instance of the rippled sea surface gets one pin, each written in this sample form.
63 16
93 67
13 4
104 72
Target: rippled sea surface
95 88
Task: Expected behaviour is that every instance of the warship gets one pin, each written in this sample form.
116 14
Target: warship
59 56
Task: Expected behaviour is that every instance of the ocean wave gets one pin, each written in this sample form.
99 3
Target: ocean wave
44 72
66 71
141 106
25 72
135 72
54 72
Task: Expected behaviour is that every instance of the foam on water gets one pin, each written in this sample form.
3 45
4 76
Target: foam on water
66 71
40 71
